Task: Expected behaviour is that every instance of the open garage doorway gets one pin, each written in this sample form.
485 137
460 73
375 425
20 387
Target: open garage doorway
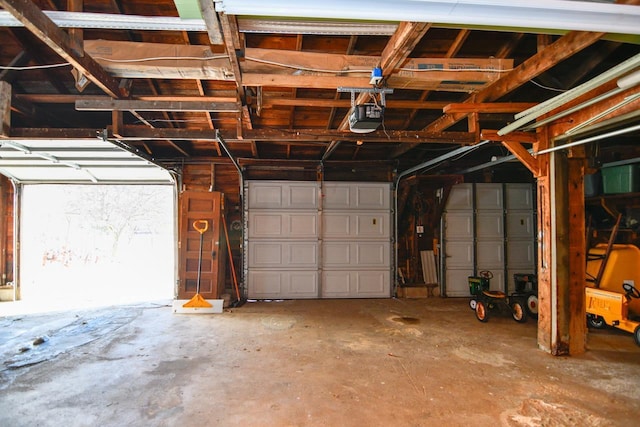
95 245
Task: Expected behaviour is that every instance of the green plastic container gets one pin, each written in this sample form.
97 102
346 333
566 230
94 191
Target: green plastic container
621 179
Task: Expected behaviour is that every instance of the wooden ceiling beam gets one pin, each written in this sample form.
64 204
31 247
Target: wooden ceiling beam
128 105
487 107
346 103
49 33
563 48
302 135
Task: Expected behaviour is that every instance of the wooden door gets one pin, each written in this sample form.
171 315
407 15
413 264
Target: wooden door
201 206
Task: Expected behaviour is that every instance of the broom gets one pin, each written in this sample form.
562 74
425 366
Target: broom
197 301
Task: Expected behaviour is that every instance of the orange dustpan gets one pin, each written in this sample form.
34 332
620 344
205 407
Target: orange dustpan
197 301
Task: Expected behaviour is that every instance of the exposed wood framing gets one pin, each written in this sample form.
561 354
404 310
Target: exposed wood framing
563 48
5 109
43 27
127 104
303 135
487 107
211 21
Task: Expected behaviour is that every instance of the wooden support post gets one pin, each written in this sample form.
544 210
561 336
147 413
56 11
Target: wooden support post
5 109
561 253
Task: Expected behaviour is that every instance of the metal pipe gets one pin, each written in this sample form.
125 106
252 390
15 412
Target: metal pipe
223 144
571 110
587 140
533 113
17 197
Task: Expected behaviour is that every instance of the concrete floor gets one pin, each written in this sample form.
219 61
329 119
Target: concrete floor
307 363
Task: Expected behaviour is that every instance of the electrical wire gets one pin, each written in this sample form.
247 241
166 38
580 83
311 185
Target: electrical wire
34 67
486 70
161 58
547 87
301 68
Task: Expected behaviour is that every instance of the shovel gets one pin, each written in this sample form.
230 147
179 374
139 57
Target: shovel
197 301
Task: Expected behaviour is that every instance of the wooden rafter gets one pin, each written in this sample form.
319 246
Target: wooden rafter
43 27
301 135
487 107
563 48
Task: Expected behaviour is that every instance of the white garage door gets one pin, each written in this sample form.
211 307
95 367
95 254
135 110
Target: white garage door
318 240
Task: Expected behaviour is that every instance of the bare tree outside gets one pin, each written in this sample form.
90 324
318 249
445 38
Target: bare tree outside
97 244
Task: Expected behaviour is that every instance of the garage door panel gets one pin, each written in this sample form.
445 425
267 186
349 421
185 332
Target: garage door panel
272 254
520 253
302 225
283 195
356 284
264 224
336 284
490 252
337 254
372 283
356 254
357 196
489 225
459 254
519 196
374 225
339 225
520 225
336 225
457 282
282 284
489 197
460 197
458 225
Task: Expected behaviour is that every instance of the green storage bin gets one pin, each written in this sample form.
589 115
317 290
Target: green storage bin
621 179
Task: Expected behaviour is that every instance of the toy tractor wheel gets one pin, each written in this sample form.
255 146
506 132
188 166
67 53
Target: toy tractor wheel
472 303
532 306
482 311
596 322
636 335
518 311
